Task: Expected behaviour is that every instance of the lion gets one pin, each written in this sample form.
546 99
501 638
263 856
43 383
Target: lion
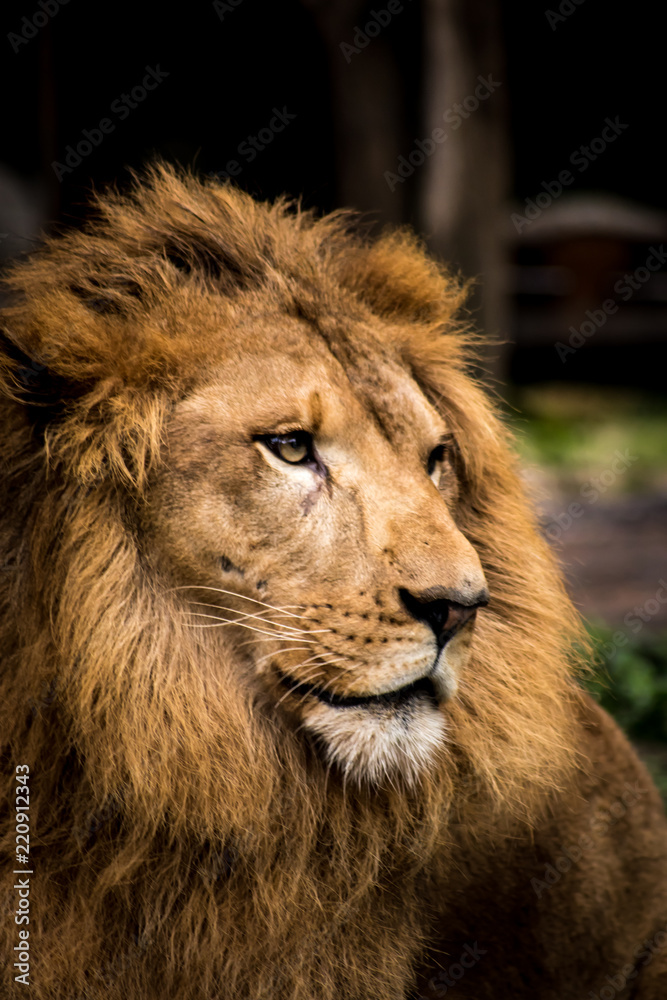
290 696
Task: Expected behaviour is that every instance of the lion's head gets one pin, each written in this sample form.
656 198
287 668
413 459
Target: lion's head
267 540
308 500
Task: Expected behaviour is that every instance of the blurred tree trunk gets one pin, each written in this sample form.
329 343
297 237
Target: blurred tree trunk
462 186
368 109
466 179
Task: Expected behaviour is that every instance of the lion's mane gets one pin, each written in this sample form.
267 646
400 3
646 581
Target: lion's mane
185 841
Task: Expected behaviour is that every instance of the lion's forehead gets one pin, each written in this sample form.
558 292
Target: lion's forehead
299 382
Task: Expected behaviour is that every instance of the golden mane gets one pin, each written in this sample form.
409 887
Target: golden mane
180 826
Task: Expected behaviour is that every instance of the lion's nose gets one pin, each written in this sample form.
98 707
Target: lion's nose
444 611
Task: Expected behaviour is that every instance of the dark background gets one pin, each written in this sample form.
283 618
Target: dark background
225 76
228 66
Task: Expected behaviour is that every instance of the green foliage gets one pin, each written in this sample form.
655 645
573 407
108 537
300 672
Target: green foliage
631 680
631 683
575 432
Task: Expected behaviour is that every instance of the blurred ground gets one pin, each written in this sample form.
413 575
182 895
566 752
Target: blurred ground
615 559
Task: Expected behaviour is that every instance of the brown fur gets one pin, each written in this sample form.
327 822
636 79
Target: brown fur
189 838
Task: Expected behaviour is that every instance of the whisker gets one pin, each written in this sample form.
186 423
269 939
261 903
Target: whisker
235 593
217 618
321 658
221 623
281 700
291 692
281 635
291 628
260 614
290 649
314 670
313 674
292 634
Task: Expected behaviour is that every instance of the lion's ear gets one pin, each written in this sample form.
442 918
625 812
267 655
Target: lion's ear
96 426
29 380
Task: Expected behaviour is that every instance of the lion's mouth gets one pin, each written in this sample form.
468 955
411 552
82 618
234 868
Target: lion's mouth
421 688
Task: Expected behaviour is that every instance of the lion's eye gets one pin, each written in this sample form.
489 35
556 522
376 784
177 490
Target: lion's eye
295 448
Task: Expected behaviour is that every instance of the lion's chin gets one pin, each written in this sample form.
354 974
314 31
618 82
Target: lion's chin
380 743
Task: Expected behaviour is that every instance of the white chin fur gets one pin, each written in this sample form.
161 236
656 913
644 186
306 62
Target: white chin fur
380 743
